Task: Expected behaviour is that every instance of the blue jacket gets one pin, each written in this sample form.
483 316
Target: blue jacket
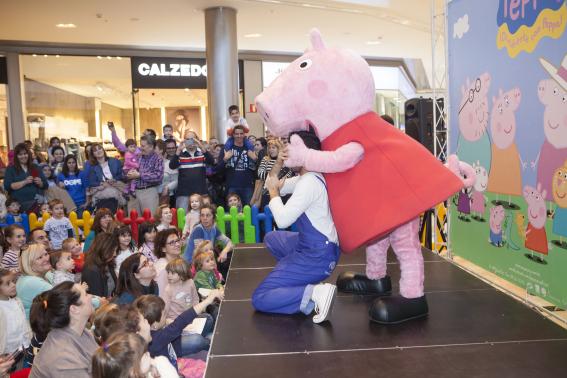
95 175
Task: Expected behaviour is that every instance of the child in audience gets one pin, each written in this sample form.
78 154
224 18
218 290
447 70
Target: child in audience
165 338
58 227
14 328
147 232
205 265
63 265
125 354
131 163
205 246
192 217
44 208
164 217
233 120
233 199
72 246
180 292
15 238
126 246
13 208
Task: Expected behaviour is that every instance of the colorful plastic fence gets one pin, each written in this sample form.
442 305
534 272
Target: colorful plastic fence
134 220
85 224
233 217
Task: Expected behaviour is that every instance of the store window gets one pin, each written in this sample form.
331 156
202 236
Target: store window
73 97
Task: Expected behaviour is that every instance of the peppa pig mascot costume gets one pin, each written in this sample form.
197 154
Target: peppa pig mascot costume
379 180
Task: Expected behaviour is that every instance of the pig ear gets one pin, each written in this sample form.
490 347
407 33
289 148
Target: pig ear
316 39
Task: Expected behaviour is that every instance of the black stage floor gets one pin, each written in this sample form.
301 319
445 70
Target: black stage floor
472 330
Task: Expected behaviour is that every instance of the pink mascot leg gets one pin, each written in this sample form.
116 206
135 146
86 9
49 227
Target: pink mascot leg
411 303
376 282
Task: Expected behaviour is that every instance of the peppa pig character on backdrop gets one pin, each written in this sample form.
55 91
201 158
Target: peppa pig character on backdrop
368 170
536 237
506 169
473 143
559 187
497 215
553 94
478 199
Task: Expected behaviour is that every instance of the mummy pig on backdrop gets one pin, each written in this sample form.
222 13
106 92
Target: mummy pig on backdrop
379 180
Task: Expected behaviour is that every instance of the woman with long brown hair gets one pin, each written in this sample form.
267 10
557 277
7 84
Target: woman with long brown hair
105 175
102 223
98 271
23 180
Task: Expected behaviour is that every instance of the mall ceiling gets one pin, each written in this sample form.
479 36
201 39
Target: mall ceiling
373 28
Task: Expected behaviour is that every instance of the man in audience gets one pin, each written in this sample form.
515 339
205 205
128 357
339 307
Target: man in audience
37 235
149 175
167 132
240 165
170 176
191 159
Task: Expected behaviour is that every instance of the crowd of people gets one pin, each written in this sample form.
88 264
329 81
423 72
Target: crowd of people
104 304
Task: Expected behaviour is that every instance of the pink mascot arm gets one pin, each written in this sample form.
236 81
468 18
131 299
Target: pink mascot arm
340 160
462 170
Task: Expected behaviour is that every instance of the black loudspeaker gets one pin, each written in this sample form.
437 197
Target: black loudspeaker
419 121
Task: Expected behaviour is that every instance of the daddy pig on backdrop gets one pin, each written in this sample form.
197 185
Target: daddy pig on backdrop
379 180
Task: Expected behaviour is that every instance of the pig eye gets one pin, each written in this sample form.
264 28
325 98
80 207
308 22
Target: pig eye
555 91
305 64
500 110
564 98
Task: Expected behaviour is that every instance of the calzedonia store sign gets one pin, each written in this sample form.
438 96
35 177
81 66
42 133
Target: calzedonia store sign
169 73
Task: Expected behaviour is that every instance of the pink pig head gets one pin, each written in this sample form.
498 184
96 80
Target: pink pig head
473 109
554 97
497 215
481 182
324 88
537 213
503 119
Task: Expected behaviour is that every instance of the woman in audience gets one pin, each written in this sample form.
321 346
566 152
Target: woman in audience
101 223
167 248
164 218
136 278
208 230
98 271
23 180
266 165
73 180
104 179
60 315
126 355
34 264
57 163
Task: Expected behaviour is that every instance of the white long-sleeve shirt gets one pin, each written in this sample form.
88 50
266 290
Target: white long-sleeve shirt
309 196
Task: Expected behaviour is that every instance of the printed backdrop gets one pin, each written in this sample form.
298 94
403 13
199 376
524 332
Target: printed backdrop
508 94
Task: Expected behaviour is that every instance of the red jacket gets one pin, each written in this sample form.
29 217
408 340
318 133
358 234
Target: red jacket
396 180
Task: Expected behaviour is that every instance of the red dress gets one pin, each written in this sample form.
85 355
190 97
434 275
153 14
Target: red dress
396 180
536 239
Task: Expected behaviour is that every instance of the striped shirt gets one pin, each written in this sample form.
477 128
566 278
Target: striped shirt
10 260
192 172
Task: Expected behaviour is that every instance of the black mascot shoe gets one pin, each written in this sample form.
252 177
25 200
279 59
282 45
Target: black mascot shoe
397 309
350 282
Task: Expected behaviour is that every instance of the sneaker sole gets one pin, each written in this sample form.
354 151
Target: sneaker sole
329 306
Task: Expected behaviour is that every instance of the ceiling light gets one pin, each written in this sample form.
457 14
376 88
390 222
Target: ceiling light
99 57
45 55
186 89
307 5
66 26
405 22
252 35
108 57
34 55
57 56
373 42
119 58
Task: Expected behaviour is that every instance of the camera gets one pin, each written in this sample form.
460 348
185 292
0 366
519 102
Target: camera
110 124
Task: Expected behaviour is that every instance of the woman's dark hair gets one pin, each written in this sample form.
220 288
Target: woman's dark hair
143 229
309 138
57 149
100 213
92 158
111 319
101 253
65 169
127 282
161 241
21 147
50 309
262 141
151 307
